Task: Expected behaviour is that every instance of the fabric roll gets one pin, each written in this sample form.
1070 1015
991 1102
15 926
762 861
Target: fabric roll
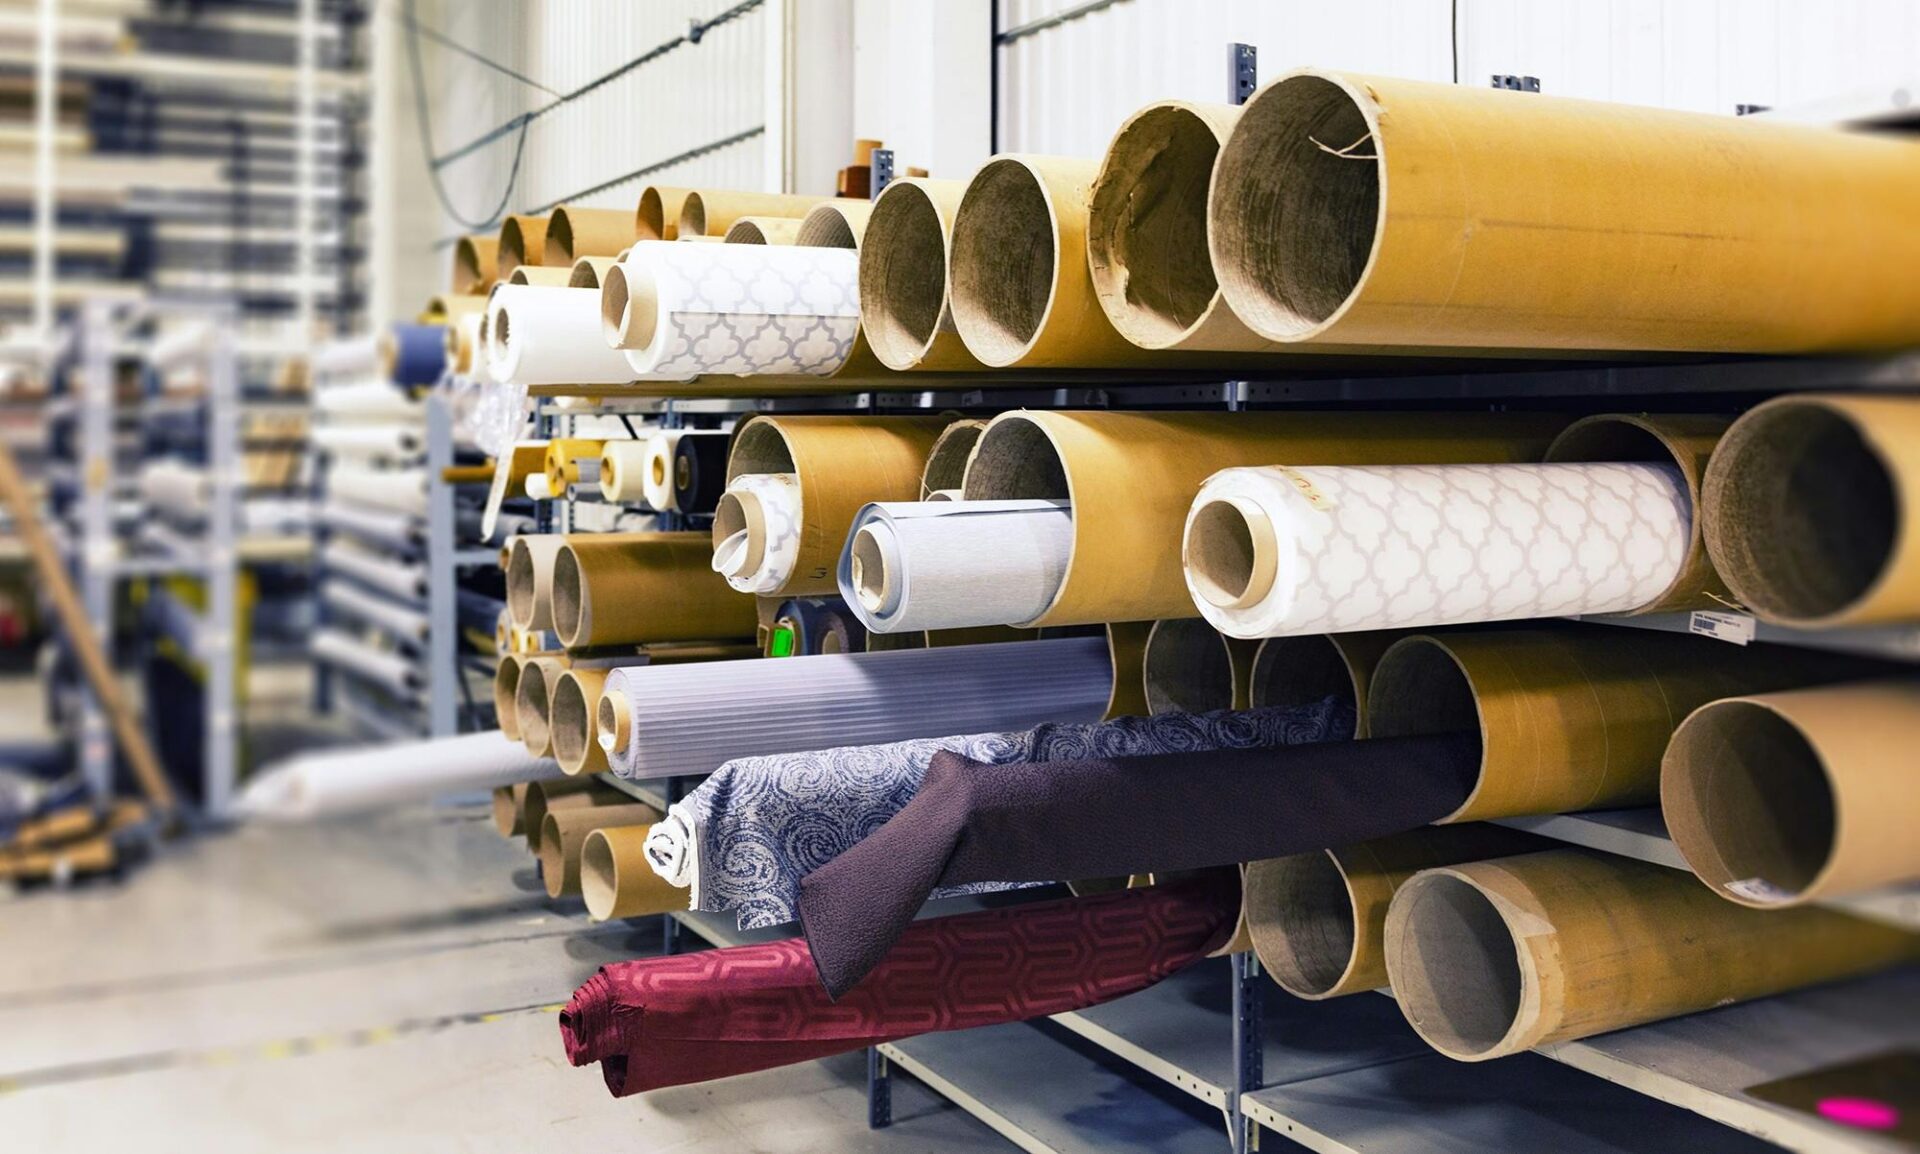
1280 551
746 836
315 785
393 442
756 531
355 602
656 478
623 468
550 336
406 579
350 355
401 489
920 565
382 526
414 354
699 473
367 400
973 821
817 625
673 720
685 1018
394 672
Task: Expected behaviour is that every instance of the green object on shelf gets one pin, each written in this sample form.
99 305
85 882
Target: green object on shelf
780 644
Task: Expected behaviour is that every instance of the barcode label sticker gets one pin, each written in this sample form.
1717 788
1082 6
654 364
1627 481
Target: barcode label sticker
1734 627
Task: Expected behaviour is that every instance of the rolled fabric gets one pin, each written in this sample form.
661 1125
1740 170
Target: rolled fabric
1113 817
401 489
1188 667
763 230
699 473
414 354
665 721
1282 551
564 831
550 336
393 442
684 1018
367 400
355 602
474 261
1784 798
712 211
348 355
656 481
617 882
574 232
623 468
562 793
954 564
906 311
530 562
745 837
366 778
523 238
1296 670
817 625
394 672
634 588
1491 958
756 531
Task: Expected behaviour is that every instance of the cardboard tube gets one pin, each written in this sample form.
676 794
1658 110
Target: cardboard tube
530 580
1137 472
1491 958
712 211
541 276
588 270
1575 717
1318 920
509 802
657 216
88 856
905 311
1303 670
564 831
1127 650
763 230
1807 509
837 223
1782 798
1363 210
545 797
474 259
1189 667
506 687
625 588
532 700
448 308
523 239
574 232
616 880
570 718
946 467
1682 440
843 462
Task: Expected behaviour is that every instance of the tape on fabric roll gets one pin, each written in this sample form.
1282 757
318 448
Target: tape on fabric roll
623 468
756 531
954 564
632 588
906 311
1298 670
574 232
1189 667
523 239
657 215
1283 551
712 211
818 625
550 336
414 354
539 276
474 259
763 230
699 473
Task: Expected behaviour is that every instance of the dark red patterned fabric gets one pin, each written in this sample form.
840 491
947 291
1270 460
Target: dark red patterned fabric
684 1018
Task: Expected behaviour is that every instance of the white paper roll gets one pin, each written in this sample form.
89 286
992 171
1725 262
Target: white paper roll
741 309
550 336
316 785
693 718
392 442
394 672
623 468
914 565
656 481
405 579
760 513
355 482
1279 552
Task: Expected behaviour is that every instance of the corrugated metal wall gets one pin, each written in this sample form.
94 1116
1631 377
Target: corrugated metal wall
1066 88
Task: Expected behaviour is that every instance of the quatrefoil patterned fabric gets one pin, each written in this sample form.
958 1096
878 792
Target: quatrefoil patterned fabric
748 309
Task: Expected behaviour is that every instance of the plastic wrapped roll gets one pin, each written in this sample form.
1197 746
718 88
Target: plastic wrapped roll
756 531
763 230
1783 798
657 216
815 625
530 579
712 211
1282 551
390 442
395 673
523 239
699 473
1298 670
474 261
1189 667
404 579
1494 957
954 564
550 336
574 232
632 588
565 832
689 310
617 882
369 778
663 721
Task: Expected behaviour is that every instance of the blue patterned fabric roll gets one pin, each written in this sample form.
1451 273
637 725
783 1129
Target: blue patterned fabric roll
743 840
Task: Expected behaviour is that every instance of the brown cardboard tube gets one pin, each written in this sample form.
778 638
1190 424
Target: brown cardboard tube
1131 477
508 804
1318 920
90 855
1684 440
1127 647
1190 668
1367 210
541 275
448 308
544 797
626 588
712 211
1807 506
1575 717
474 259
1783 798
946 467
1491 958
576 744
565 830
576 232
1303 670
905 310
532 701
612 722
616 880
506 687
628 312
657 216
530 561
523 239
837 223
763 230
842 463
588 270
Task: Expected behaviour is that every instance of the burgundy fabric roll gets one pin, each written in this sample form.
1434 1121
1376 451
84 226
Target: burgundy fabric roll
1106 817
684 1018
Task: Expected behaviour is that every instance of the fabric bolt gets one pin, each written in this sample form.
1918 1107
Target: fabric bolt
745 837
744 309
974 821
699 472
913 565
759 557
417 354
685 1018
820 625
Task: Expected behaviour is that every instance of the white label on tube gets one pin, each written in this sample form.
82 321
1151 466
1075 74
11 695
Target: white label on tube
1734 627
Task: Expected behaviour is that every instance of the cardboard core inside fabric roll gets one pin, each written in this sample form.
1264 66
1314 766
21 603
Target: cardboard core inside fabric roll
1005 256
1296 207
506 685
1188 667
1804 513
872 581
1303 914
1455 965
740 511
1747 799
903 276
1147 226
1422 689
571 720
613 722
629 306
1232 552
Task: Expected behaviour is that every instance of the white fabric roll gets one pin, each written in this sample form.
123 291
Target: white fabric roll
168 484
386 441
693 718
550 336
394 672
404 490
759 558
316 785
656 482
624 468
402 578
349 355
913 565
381 526
373 609
1331 549
744 309
367 400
